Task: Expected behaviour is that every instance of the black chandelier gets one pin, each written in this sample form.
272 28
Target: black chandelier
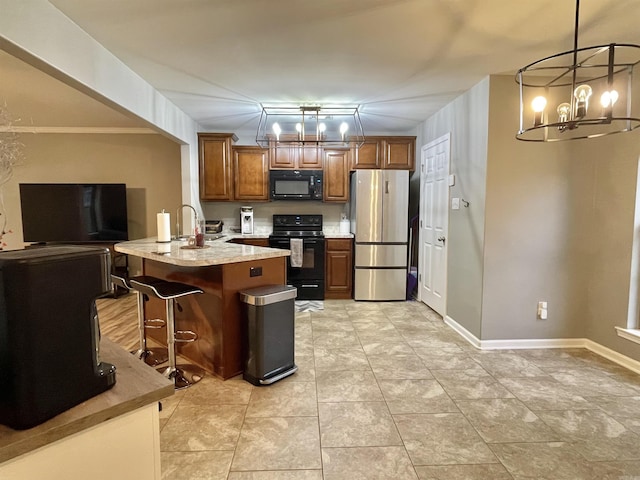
570 81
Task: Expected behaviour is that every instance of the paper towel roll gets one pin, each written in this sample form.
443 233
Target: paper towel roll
164 227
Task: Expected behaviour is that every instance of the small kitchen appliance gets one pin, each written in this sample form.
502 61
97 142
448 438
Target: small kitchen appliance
246 220
49 331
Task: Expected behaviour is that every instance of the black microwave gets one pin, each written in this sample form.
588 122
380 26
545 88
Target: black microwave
295 184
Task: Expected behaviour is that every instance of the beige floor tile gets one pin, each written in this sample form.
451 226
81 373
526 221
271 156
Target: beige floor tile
470 384
208 465
416 396
357 424
335 359
335 339
277 475
211 390
545 393
442 439
371 463
284 399
445 359
543 461
306 369
594 434
502 365
506 420
278 443
383 346
398 366
347 387
464 472
200 427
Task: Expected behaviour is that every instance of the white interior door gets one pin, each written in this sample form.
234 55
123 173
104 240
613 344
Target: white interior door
434 222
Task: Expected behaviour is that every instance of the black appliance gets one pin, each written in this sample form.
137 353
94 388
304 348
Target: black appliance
295 184
74 212
307 231
49 332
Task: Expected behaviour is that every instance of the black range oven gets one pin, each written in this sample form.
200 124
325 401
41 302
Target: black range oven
302 234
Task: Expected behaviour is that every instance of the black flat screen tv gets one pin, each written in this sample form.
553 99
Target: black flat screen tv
74 212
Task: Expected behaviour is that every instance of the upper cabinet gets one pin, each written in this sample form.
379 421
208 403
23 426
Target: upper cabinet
251 174
216 177
294 156
397 153
336 175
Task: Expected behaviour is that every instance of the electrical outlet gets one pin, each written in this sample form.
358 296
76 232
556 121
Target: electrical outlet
542 310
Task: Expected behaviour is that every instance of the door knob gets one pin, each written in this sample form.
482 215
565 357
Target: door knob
442 239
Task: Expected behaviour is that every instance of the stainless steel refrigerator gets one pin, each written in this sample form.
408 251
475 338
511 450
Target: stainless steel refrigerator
379 220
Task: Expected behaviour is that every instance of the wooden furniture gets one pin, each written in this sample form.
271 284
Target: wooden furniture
250 174
390 152
216 174
338 268
121 423
294 156
257 242
221 271
336 175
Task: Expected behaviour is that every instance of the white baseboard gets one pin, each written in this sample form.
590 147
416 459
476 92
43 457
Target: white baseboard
516 344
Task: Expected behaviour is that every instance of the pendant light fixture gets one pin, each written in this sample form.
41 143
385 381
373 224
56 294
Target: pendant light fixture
581 93
310 125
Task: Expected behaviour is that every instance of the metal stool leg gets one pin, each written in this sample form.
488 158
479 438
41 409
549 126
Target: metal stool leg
183 375
151 356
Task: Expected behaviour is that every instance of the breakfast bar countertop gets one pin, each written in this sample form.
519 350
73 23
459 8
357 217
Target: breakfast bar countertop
215 252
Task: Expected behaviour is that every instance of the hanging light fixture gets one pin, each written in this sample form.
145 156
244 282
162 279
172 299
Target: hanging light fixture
570 81
310 124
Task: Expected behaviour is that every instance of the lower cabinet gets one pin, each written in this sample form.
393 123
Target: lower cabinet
256 242
338 268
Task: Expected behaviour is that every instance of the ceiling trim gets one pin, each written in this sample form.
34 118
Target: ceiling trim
80 130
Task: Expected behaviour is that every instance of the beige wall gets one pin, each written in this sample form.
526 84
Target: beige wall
148 164
467 120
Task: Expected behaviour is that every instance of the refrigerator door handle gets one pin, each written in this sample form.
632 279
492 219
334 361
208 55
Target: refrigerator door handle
386 186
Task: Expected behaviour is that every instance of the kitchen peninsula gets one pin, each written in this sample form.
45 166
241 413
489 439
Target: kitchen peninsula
222 270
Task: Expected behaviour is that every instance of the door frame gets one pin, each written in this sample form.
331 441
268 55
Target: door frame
443 138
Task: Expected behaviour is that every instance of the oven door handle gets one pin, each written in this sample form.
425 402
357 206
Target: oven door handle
284 243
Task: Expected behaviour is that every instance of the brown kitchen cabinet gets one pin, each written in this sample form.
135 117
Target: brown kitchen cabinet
338 268
294 156
395 153
336 175
256 242
215 165
250 173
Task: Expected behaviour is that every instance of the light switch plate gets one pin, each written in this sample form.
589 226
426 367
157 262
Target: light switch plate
452 180
455 203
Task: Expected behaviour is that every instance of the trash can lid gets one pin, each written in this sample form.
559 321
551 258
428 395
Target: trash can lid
268 294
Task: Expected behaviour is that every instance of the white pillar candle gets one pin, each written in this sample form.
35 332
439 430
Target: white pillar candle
164 227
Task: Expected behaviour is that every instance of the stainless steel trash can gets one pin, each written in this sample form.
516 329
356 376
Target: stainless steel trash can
269 347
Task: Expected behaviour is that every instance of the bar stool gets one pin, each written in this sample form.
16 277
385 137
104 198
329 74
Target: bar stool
183 375
151 356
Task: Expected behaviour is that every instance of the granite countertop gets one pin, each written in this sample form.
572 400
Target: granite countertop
327 234
137 385
215 252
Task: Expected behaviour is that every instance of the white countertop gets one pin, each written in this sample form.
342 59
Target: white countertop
215 252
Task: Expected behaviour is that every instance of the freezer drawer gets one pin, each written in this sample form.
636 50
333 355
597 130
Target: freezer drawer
380 284
381 255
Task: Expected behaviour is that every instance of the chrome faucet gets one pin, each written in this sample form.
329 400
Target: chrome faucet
179 223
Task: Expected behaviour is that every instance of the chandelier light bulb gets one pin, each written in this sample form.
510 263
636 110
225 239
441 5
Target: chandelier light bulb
608 99
277 130
563 112
538 105
582 94
343 129
322 127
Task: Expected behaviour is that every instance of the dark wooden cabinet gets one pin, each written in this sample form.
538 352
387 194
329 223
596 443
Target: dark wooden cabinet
215 166
399 153
256 242
336 175
368 155
250 174
396 153
338 268
294 156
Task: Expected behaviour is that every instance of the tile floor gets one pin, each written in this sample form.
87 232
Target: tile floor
388 391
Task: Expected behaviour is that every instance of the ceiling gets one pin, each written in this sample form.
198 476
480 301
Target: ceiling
399 60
